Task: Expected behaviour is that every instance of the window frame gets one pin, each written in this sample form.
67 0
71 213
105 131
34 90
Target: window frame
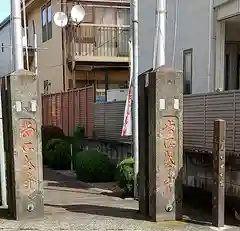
47 31
238 71
227 74
185 53
46 85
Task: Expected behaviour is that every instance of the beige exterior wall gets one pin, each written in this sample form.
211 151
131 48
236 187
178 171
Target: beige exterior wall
50 54
50 64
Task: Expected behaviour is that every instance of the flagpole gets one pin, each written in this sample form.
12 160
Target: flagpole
127 120
135 94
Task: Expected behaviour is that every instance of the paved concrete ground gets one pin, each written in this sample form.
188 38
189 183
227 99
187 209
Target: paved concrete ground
69 205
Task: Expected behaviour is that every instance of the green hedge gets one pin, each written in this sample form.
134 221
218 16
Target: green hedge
49 132
76 147
125 175
58 154
79 131
94 166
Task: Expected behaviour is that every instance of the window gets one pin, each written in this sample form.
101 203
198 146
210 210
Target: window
46 22
227 72
89 14
46 86
187 71
70 84
238 72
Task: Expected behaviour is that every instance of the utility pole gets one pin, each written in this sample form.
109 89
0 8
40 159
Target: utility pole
160 37
17 53
17 34
135 93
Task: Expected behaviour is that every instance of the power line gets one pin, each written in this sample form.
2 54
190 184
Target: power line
95 48
101 45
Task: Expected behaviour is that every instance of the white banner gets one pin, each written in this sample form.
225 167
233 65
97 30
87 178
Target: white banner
127 121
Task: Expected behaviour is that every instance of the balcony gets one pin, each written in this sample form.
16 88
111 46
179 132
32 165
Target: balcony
92 43
219 2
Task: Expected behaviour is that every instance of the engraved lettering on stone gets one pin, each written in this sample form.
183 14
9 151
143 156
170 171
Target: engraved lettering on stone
222 145
169 128
27 146
29 179
26 129
169 141
169 162
216 144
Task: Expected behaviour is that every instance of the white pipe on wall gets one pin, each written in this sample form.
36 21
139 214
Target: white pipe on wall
2 162
220 56
211 47
155 46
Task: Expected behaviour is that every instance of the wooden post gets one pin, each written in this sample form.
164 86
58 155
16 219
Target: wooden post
218 189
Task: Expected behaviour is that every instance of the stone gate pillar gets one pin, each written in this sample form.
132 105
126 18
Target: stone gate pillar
25 165
165 143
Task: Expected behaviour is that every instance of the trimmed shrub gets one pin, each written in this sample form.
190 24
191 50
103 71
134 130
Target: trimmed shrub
125 175
94 166
58 154
79 131
76 147
49 132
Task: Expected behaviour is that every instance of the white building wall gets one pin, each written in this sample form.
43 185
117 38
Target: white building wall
146 34
220 2
192 32
6 66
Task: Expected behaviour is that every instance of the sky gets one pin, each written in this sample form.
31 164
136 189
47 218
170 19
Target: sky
4 9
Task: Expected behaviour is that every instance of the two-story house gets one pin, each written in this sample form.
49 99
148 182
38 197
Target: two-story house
94 52
6 54
6 66
202 40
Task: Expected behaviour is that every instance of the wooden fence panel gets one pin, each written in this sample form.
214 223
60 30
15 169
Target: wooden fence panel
68 109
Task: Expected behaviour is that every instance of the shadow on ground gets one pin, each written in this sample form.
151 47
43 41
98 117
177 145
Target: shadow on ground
197 217
197 204
55 179
102 211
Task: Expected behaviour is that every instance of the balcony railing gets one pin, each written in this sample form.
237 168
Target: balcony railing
219 2
91 42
